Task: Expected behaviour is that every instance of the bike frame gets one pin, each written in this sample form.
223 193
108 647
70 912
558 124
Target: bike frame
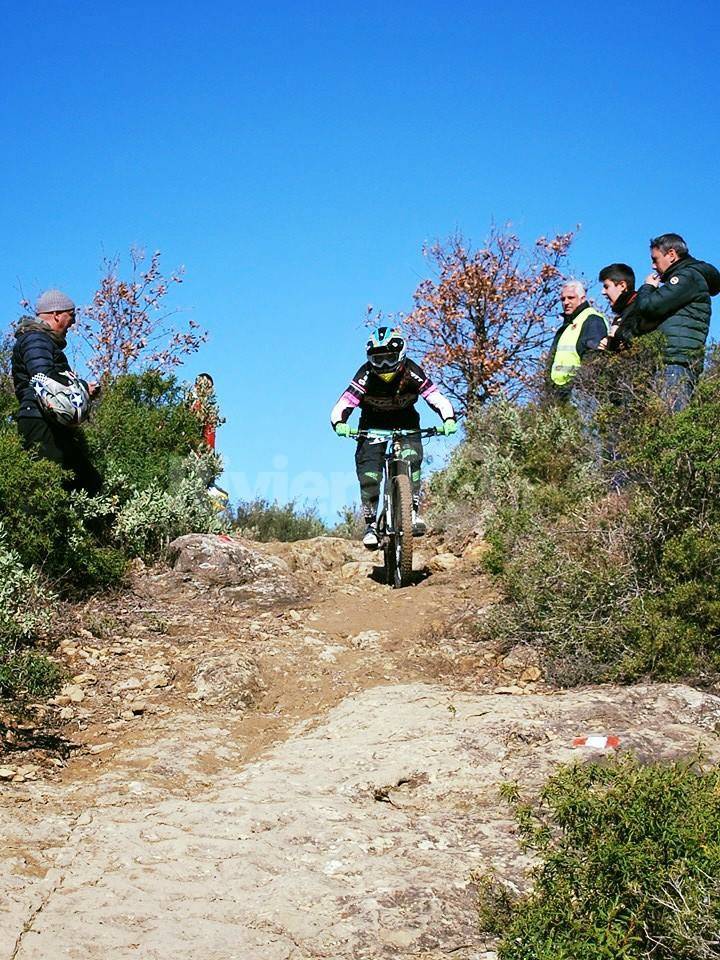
394 464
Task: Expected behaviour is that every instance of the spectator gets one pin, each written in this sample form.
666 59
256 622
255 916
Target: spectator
39 349
618 284
675 299
581 332
204 405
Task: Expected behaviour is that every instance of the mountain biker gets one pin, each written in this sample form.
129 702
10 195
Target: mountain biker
386 388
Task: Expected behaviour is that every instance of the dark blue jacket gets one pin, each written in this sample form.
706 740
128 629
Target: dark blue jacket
680 309
38 349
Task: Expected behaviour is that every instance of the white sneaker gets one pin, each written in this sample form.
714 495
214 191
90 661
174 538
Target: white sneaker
419 525
370 540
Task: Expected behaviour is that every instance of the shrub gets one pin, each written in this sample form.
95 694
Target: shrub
628 866
677 460
567 585
143 429
25 605
261 520
351 524
33 502
607 585
25 614
154 516
41 522
28 673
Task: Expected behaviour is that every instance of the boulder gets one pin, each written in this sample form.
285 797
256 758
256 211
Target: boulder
356 569
222 560
320 554
444 562
230 679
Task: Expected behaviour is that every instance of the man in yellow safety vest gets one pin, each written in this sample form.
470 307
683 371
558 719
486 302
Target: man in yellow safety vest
582 330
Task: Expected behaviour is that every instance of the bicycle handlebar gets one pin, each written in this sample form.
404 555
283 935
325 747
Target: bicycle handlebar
355 434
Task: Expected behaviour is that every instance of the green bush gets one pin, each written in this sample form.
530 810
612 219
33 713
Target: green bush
43 525
143 429
153 516
607 585
27 674
33 503
673 630
261 520
628 866
351 524
25 605
25 614
509 451
676 459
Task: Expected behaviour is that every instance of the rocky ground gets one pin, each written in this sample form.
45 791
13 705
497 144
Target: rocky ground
266 753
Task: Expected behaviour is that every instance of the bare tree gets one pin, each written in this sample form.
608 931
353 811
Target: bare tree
129 324
483 321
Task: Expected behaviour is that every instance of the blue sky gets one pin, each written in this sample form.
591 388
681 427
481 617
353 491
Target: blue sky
296 157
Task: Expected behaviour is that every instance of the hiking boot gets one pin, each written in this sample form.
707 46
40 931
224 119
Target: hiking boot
370 540
419 525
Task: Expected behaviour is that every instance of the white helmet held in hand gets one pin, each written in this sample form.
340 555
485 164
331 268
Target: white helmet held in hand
67 403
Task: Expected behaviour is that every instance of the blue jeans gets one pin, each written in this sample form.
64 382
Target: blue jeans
587 406
675 385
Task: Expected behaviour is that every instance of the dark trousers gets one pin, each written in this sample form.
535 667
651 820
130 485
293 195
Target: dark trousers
369 465
63 445
675 384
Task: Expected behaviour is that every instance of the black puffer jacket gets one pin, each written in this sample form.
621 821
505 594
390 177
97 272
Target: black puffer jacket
680 309
38 349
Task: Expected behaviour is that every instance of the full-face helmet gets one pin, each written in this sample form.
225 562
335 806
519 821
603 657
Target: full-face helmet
67 403
386 349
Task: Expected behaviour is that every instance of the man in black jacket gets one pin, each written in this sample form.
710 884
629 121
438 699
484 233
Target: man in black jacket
675 299
39 348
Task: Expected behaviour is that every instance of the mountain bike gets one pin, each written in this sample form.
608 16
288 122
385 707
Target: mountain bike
394 525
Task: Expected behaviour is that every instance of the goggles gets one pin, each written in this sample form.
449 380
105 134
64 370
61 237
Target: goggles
388 356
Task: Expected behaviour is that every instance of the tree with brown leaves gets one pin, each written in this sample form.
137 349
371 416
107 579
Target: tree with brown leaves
482 323
129 325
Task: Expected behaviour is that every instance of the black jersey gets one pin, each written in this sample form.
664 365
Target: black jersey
388 405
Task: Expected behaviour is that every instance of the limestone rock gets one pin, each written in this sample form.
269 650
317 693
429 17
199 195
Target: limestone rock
321 554
355 569
230 679
73 693
476 550
220 560
444 562
353 839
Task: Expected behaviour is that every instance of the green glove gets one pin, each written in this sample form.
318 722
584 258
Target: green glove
342 429
449 427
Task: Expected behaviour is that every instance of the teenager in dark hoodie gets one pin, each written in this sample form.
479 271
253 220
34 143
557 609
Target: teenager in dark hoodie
618 286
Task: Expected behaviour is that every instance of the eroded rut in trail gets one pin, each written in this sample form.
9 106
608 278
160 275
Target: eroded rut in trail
305 767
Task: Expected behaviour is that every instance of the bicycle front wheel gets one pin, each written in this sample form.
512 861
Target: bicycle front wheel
403 539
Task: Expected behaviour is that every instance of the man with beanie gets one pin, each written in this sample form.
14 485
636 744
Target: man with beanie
39 348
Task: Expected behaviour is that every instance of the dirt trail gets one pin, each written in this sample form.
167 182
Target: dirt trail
306 771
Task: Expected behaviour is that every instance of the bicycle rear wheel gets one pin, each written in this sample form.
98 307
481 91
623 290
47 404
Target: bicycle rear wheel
402 543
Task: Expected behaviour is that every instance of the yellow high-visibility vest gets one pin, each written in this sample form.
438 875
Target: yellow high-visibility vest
567 360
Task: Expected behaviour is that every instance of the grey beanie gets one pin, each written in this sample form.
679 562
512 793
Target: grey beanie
53 301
